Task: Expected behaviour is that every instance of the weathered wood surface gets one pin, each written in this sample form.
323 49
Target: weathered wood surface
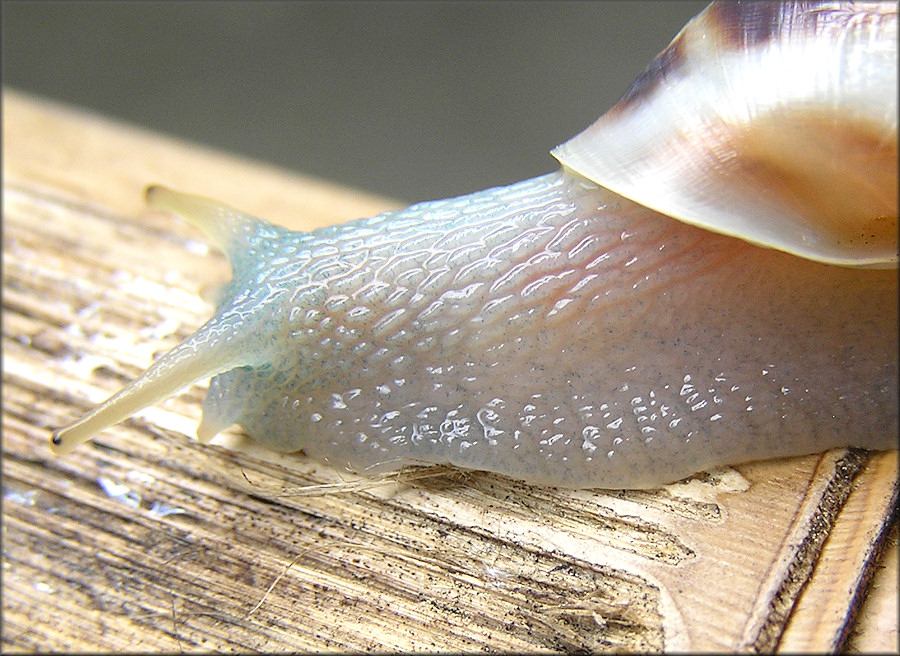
146 540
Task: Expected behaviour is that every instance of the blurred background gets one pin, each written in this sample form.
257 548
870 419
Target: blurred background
411 100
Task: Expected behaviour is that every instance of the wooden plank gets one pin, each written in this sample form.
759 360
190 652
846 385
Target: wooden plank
844 569
146 540
876 631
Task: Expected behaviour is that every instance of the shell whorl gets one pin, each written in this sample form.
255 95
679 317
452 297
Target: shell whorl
772 122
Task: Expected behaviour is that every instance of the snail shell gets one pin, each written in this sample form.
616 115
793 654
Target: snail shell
556 331
773 122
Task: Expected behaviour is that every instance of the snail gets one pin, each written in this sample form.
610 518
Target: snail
709 279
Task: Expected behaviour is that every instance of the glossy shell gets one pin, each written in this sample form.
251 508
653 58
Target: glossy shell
773 122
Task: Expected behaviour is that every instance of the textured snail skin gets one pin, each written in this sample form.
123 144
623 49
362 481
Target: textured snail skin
550 331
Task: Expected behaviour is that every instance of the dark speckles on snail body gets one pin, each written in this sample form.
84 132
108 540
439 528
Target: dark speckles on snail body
559 331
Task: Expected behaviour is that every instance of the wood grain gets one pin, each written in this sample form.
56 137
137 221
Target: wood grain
146 540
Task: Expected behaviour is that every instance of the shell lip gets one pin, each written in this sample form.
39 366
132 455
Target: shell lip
711 218
805 247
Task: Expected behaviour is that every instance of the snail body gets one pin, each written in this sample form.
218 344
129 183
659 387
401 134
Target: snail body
561 333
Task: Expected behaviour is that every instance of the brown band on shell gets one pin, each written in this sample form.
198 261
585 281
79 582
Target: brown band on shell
734 26
665 65
743 24
754 24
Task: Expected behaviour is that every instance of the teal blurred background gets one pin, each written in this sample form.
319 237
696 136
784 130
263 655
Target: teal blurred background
413 100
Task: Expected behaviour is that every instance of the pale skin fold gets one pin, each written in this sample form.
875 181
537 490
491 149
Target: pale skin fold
550 331
556 332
